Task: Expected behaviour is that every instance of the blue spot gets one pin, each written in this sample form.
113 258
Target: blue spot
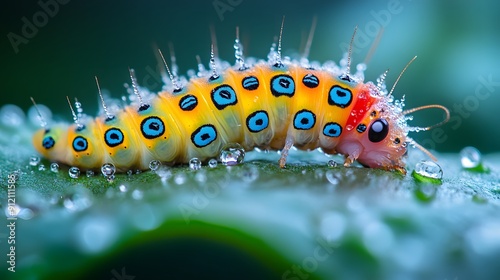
152 127
113 137
339 96
250 83
361 128
223 96
257 121
310 81
48 142
188 102
204 135
304 120
332 129
80 144
282 85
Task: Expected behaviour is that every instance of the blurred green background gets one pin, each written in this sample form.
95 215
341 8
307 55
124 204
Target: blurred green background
456 42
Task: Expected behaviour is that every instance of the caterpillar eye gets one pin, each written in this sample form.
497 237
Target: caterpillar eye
378 130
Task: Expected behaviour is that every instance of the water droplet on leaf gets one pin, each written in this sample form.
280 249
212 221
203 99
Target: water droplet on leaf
232 154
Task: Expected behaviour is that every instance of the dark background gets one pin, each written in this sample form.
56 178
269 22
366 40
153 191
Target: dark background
457 42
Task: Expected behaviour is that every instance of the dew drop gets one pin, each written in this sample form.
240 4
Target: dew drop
41 167
12 115
212 163
137 194
349 127
130 172
74 172
108 169
429 169
332 163
54 167
164 173
180 178
122 188
12 210
232 154
34 160
201 176
44 111
194 164
89 173
470 157
154 165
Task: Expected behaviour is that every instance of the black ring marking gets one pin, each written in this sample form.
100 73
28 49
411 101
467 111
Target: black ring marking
250 83
48 142
80 144
113 137
152 127
223 96
304 120
361 128
188 102
332 129
282 85
310 81
339 96
204 135
257 121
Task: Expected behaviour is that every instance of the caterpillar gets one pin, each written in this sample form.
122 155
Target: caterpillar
268 104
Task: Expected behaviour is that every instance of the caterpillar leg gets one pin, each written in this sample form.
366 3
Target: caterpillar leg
349 160
284 152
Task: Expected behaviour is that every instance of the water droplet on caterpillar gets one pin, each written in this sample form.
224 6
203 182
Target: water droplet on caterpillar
232 154
89 173
212 163
74 172
470 157
34 160
54 167
429 169
194 164
154 165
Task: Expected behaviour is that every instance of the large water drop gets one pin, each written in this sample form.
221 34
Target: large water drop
194 164
232 154
429 169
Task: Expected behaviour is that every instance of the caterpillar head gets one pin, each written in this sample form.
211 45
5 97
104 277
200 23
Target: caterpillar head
380 139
